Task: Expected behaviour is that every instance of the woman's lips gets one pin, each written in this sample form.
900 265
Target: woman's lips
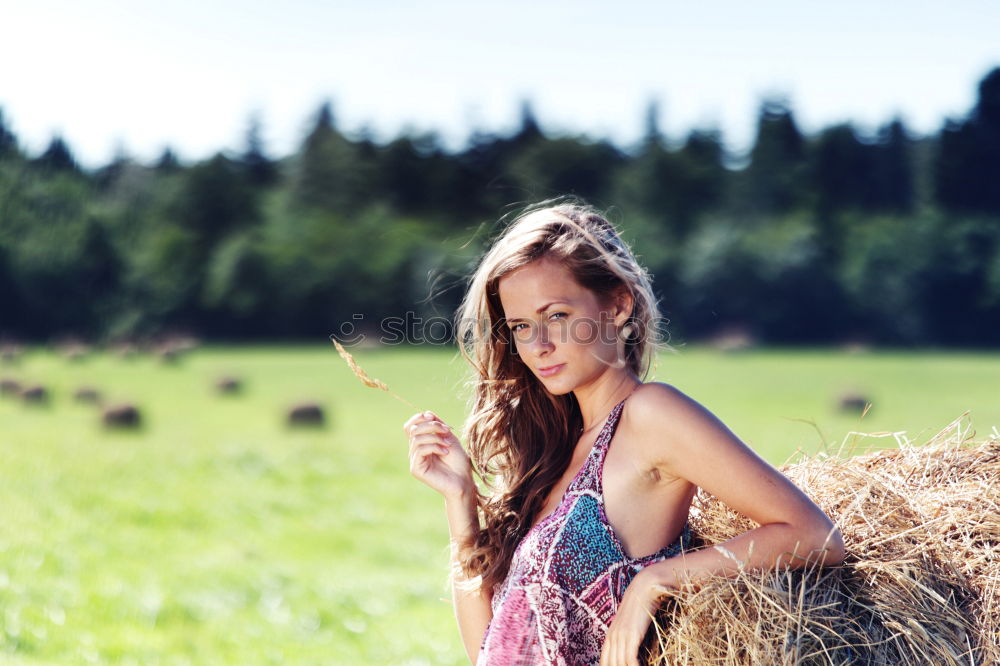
548 372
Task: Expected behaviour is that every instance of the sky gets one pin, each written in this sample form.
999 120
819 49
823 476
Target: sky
138 76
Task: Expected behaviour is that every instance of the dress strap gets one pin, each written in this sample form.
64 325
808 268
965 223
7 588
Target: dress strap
593 469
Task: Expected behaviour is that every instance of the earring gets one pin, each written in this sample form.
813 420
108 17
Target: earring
623 334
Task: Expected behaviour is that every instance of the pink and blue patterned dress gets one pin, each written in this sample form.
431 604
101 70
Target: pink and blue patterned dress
566 578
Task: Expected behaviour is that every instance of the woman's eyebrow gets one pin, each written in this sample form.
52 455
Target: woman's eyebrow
542 309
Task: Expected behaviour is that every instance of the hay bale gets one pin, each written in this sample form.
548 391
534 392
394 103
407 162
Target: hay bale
307 414
733 338
35 395
125 350
124 416
856 347
176 345
9 387
168 355
920 583
183 342
87 395
10 354
229 385
853 402
73 350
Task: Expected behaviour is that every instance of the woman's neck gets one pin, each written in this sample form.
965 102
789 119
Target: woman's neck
597 400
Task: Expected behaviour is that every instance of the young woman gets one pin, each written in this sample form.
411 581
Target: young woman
589 471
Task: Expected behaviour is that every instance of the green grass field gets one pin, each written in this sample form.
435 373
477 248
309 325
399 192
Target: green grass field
217 536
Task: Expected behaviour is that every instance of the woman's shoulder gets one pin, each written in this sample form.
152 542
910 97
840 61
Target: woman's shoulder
657 416
655 401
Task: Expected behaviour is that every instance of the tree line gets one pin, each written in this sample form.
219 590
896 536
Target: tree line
890 238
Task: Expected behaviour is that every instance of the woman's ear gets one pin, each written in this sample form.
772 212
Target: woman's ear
622 305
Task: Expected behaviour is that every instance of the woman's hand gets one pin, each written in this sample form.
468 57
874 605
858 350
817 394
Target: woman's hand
436 456
639 603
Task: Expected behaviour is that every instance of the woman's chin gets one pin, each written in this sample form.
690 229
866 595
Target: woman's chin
554 386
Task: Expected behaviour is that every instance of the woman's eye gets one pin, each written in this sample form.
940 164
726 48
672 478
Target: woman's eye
517 327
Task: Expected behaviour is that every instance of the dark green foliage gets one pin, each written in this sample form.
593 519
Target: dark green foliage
923 278
530 131
674 187
415 174
333 173
841 173
546 168
753 276
967 168
8 142
893 172
774 181
57 157
816 239
261 171
11 307
62 271
215 200
106 176
168 162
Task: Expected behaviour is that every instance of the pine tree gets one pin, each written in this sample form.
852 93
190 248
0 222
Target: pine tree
168 162
774 180
261 170
967 165
57 157
893 177
8 142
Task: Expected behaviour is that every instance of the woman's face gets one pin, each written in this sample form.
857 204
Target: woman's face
561 330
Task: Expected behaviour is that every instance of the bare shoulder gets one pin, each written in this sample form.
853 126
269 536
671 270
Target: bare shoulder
670 423
688 442
653 397
663 408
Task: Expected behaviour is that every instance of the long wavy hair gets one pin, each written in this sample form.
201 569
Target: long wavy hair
519 436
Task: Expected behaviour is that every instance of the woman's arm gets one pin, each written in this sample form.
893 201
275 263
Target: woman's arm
438 459
472 606
689 442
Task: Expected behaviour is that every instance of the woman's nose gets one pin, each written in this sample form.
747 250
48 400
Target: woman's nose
542 341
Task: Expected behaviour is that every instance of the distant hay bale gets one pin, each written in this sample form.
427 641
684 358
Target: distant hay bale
184 342
168 355
35 394
856 347
920 583
733 339
853 402
9 387
306 415
123 416
10 354
171 348
229 385
73 350
125 350
87 395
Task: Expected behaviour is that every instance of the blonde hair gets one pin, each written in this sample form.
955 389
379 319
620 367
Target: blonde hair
520 437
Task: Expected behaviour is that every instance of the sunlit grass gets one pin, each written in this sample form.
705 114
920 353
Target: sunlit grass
215 535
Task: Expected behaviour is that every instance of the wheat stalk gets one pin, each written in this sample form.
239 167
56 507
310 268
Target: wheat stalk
365 378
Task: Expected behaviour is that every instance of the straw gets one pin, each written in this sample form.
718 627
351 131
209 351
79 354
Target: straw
365 378
920 583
